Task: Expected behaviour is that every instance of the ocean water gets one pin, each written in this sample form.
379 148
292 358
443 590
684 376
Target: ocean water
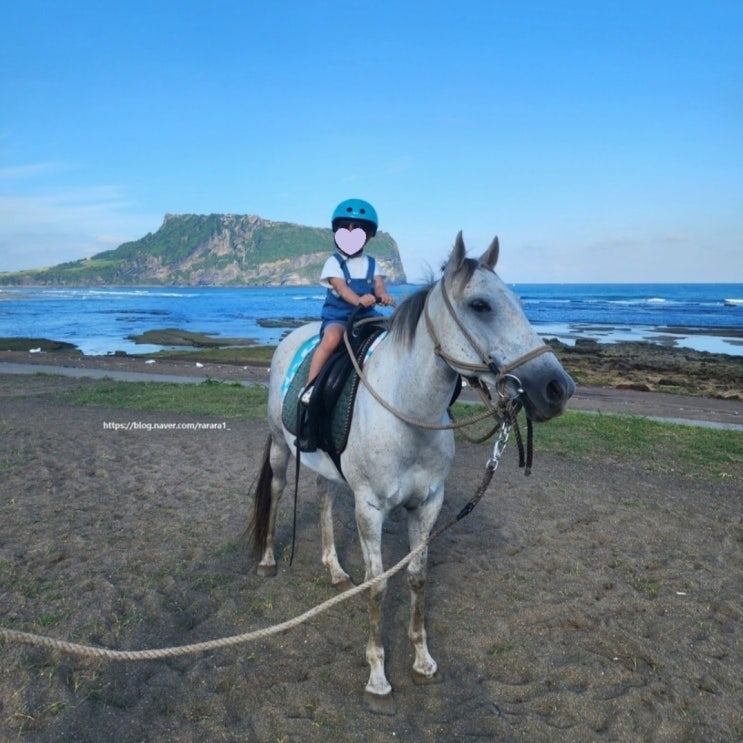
99 320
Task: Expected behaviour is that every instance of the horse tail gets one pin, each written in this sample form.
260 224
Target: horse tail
259 521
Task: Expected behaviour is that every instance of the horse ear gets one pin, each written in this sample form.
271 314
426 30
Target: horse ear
490 256
458 254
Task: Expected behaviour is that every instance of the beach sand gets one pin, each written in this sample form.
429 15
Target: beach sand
591 601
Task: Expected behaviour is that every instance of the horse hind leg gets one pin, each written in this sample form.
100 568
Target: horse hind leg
339 577
269 489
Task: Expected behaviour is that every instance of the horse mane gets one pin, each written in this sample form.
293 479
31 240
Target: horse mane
405 318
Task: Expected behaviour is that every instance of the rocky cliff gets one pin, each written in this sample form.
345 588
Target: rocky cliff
213 250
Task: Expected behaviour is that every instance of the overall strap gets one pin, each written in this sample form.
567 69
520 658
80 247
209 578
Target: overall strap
370 270
344 267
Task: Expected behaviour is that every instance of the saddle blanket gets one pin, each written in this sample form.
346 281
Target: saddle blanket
338 422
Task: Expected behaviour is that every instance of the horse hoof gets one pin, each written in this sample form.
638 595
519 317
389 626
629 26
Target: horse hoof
422 680
266 571
380 704
343 585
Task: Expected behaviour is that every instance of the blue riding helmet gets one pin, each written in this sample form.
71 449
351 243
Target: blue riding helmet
357 210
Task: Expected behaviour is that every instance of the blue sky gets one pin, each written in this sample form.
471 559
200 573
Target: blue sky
601 141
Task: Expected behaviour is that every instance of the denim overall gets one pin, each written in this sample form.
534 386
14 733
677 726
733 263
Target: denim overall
337 310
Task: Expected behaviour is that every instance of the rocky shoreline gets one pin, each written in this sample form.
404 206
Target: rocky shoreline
650 367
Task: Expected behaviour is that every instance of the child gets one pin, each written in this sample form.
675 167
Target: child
352 279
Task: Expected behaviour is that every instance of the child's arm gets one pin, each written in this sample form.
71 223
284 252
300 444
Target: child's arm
380 290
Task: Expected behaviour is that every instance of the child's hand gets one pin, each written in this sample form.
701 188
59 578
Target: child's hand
386 300
367 300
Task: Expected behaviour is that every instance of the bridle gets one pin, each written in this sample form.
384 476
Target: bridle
508 405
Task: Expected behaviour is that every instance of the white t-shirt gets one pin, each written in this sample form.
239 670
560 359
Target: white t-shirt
357 266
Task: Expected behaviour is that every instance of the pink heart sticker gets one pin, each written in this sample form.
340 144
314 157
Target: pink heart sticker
350 241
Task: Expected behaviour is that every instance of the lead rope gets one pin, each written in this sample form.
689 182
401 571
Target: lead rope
490 468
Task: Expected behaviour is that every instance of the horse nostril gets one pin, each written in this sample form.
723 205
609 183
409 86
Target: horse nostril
555 392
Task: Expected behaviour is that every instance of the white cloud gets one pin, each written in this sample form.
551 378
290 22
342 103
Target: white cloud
42 223
675 238
16 172
65 206
67 224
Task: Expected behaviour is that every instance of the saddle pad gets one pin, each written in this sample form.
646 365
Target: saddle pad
295 381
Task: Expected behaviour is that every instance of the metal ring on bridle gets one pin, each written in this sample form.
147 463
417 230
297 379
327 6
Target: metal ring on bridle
501 387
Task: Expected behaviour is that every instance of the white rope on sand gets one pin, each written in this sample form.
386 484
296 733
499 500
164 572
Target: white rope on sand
90 651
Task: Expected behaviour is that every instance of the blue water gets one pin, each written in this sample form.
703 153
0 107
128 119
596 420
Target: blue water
98 320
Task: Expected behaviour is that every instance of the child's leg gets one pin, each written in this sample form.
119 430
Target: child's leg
331 338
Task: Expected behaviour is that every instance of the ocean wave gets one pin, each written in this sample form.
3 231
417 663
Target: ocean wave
140 293
308 297
547 300
85 293
649 300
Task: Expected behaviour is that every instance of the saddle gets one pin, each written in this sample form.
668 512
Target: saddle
325 423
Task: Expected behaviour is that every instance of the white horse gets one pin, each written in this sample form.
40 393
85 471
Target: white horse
467 323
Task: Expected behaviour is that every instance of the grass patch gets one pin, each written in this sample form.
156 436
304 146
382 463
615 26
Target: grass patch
14 452
29 586
44 344
245 355
223 400
688 450
638 442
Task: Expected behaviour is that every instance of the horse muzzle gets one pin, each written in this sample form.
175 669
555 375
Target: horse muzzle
543 392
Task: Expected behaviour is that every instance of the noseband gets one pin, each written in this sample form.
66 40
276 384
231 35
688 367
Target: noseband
502 373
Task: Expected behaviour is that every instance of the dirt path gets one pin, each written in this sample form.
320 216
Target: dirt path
660 406
587 602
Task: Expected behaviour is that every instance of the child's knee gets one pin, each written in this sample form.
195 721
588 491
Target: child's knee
333 334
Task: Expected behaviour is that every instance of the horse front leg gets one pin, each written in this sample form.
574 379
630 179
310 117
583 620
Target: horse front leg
420 523
378 696
339 577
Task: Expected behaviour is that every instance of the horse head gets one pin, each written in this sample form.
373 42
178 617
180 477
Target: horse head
482 331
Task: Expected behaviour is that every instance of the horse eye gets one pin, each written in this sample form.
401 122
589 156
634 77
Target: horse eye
480 306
